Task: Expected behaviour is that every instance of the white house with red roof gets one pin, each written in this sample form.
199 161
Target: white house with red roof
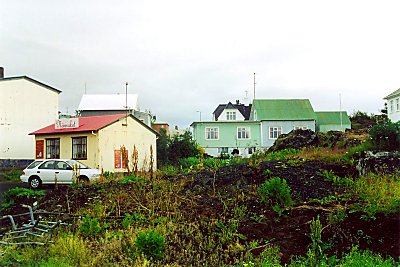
25 105
97 141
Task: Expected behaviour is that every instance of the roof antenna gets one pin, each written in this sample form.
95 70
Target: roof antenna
254 80
246 97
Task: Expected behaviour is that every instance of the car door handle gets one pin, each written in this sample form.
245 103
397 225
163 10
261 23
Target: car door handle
38 171
57 172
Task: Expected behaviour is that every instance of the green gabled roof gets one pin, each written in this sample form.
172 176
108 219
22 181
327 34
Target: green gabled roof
284 109
332 118
394 94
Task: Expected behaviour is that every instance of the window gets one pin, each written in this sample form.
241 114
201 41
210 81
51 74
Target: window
49 165
391 106
300 128
252 150
120 159
53 148
231 115
212 133
274 132
243 132
79 147
397 104
223 150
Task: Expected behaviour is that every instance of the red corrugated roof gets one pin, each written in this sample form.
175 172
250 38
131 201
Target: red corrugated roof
92 123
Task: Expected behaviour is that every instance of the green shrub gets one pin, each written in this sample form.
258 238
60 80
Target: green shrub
282 154
168 170
190 162
151 244
356 151
90 227
13 195
132 179
365 258
386 136
275 191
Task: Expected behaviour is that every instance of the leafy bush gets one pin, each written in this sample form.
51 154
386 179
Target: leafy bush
151 244
171 149
386 136
190 162
13 195
131 179
90 227
275 191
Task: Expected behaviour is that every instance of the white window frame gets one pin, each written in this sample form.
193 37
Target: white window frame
243 130
274 130
212 132
231 115
391 106
397 104
300 128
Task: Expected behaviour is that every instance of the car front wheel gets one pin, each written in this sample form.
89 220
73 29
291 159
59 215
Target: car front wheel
35 182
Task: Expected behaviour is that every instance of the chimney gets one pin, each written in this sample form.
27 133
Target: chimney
1 72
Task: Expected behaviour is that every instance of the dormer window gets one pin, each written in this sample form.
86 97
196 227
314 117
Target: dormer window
231 115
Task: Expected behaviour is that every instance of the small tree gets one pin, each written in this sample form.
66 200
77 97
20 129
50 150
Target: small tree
162 148
182 146
386 136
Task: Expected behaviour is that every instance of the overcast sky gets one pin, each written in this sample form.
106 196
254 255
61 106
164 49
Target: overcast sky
186 56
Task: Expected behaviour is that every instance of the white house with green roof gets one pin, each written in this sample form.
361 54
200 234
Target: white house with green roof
278 116
223 137
248 128
393 102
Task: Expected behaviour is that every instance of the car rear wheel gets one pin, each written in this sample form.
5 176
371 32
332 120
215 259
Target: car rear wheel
35 182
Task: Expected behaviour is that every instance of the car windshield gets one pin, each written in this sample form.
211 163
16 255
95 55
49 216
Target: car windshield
34 164
77 163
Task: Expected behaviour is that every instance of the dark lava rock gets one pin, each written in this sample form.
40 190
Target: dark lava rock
305 138
295 139
382 162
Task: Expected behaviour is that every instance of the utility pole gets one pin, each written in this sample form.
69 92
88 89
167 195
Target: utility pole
126 102
341 116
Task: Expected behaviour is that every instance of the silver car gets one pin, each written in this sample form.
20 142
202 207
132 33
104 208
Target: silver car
60 171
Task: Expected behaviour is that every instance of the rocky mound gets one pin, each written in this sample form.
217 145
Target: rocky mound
305 138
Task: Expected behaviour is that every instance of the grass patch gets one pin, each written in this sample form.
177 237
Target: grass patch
379 193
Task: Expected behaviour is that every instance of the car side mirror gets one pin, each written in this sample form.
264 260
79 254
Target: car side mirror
69 168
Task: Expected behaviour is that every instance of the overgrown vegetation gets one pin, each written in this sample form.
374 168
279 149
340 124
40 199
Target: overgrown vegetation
19 194
171 149
223 212
12 175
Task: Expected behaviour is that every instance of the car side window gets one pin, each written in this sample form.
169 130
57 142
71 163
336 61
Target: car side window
48 165
61 165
